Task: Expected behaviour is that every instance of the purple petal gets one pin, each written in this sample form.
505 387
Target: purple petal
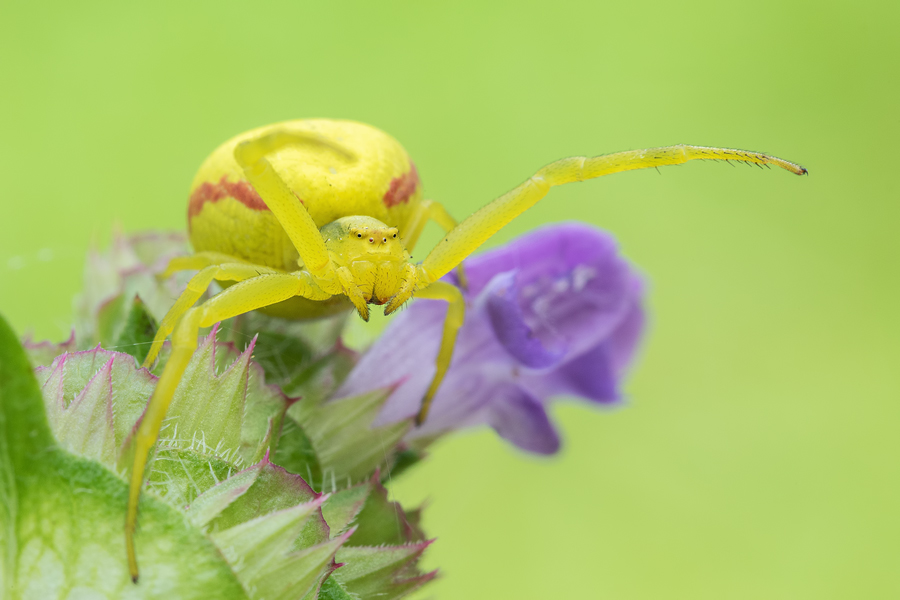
626 338
521 419
591 376
509 325
404 356
573 288
555 249
581 308
399 358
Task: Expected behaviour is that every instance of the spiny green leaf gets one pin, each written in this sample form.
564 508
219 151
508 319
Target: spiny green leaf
217 423
196 451
61 516
199 458
224 402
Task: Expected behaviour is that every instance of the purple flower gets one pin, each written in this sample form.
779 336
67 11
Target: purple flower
556 312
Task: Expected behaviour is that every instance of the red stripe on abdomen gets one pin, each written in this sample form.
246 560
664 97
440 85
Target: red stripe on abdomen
402 187
241 191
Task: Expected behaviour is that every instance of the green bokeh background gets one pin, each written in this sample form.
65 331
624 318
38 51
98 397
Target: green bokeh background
757 454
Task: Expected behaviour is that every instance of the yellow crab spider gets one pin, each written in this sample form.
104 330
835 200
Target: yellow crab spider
309 218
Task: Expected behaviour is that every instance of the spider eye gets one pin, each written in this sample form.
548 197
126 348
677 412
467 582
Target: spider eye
383 239
395 235
359 235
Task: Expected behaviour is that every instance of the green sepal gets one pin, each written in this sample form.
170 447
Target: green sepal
343 505
382 522
340 433
92 394
300 571
384 572
138 332
207 409
296 453
113 278
269 525
110 318
320 378
272 489
259 542
265 555
332 590
210 504
406 458
288 347
42 354
223 417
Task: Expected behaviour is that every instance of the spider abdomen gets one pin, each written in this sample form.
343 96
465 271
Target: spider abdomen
225 213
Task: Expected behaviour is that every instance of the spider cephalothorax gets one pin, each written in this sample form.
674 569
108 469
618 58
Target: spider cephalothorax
305 215
370 262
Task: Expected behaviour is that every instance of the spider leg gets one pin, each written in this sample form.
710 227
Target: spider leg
281 200
435 211
481 225
243 297
426 210
456 314
197 261
196 287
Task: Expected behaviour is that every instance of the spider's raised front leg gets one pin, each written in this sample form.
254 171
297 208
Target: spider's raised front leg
284 204
243 297
481 225
431 210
